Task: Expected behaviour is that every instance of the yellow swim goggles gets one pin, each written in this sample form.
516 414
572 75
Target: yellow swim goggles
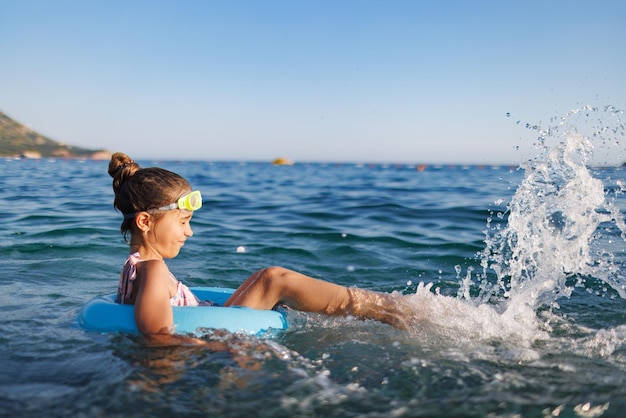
190 201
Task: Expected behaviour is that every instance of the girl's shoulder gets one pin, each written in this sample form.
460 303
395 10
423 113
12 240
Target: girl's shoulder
152 269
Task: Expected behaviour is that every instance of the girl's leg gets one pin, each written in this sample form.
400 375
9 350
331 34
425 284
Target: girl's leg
273 285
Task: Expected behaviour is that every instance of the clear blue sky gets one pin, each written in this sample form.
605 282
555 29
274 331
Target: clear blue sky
383 81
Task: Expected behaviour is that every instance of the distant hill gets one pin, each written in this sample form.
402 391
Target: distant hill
16 140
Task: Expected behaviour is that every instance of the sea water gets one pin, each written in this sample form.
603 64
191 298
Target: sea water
515 278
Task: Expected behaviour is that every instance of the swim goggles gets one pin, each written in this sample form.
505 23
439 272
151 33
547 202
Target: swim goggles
190 201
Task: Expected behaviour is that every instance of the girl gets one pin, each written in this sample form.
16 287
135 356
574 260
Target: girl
157 205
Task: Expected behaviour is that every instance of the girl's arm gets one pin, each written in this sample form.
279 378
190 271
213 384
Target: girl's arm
153 311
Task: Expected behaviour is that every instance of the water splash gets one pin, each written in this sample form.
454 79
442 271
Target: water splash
557 218
558 224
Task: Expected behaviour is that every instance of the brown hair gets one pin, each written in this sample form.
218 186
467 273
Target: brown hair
139 189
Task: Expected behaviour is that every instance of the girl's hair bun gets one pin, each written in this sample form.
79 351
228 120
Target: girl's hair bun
121 167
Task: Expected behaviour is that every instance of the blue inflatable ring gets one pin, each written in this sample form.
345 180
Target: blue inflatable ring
103 314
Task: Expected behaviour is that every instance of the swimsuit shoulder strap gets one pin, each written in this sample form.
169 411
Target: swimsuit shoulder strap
127 278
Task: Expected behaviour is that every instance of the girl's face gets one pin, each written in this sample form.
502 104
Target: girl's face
170 233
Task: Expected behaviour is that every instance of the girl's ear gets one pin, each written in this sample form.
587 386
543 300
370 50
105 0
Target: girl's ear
143 220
